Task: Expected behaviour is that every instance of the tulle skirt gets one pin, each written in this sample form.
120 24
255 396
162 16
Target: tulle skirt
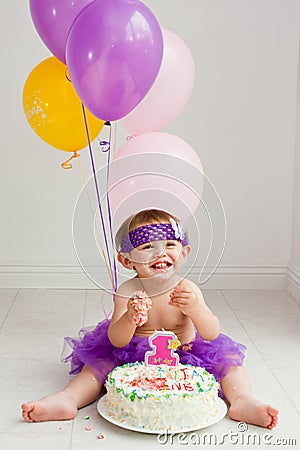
93 349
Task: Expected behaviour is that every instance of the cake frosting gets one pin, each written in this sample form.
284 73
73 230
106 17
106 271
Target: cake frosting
161 397
141 303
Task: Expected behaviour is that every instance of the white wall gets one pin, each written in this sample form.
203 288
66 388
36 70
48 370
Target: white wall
240 119
293 278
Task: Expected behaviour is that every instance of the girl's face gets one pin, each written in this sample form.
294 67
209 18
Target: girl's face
160 259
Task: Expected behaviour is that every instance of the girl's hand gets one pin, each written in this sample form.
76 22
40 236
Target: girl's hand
186 300
189 300
138 307
130 310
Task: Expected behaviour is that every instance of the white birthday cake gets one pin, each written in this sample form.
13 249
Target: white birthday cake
161 397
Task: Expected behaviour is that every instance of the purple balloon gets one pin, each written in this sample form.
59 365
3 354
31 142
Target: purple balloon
53 20
114 52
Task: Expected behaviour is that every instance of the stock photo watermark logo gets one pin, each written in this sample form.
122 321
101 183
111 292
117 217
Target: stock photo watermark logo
95 225
239 437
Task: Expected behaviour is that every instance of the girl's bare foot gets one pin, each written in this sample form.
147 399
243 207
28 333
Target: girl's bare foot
250 410
58 406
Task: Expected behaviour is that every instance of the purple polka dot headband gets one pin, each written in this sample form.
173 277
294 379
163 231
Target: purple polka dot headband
153 232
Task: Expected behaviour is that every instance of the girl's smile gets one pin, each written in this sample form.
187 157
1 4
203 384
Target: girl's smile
161 266
158 258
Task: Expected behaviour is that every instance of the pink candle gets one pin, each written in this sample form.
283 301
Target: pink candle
163 344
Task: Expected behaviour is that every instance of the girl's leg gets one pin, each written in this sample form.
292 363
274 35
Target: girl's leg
63 405
243 406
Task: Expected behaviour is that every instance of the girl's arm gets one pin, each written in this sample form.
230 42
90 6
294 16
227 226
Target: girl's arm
206 323
188 298
121 328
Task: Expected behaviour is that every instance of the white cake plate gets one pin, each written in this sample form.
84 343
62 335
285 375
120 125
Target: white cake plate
222 410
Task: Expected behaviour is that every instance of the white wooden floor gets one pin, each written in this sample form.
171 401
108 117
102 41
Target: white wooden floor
34 322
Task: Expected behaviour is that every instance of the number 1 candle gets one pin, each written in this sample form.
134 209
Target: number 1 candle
163 345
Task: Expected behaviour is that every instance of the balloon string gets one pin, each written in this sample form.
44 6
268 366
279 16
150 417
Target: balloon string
90 204
85 185
110 218
96 186
107 267
106 315
66 164
67 75
106 147
109 208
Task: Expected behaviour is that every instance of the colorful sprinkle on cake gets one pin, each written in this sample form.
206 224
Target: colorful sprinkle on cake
161 397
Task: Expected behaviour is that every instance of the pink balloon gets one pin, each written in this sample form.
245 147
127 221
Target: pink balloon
162 143
169 93
146 191
155 170
114 52
53 20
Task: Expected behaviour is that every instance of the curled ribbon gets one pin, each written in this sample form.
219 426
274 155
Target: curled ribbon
130 137
105 146
66 164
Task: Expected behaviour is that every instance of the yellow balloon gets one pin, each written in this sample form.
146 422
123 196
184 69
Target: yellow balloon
54 110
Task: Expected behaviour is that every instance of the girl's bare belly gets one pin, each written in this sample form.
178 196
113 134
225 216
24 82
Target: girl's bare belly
184 335
162 316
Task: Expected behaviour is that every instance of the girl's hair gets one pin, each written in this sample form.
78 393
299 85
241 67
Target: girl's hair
144 217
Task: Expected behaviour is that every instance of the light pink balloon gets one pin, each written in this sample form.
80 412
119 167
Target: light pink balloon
161 143
155 170
170 92
152 192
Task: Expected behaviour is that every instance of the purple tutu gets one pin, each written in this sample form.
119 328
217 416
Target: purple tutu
93 348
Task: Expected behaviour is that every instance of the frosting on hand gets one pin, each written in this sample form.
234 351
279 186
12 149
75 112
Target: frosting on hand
141 303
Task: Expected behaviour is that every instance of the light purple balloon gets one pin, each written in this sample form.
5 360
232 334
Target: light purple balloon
53 20
114 52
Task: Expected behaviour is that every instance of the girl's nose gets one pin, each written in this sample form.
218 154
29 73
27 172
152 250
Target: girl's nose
159 249
163 252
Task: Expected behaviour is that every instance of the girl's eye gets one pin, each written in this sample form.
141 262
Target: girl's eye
147 247
171 244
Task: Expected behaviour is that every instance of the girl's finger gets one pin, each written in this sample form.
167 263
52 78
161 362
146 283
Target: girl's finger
171 303
180 296
178 291
177 302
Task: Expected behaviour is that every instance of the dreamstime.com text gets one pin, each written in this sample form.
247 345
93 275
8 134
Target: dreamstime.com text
239 438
